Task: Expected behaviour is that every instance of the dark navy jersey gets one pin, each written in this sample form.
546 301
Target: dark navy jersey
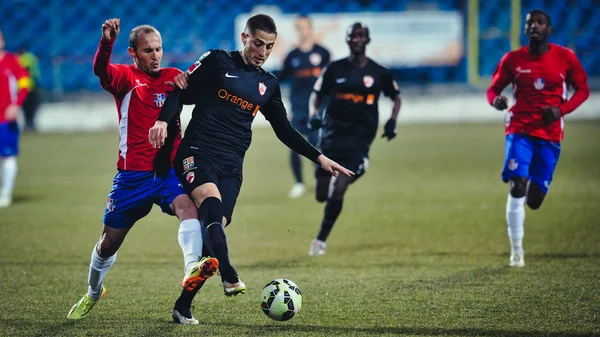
303 68
228 94
352 115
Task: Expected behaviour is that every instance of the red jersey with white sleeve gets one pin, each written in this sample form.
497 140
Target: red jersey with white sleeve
13 83
539 81
139 98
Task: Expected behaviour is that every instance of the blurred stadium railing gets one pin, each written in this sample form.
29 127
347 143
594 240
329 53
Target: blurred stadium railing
471 35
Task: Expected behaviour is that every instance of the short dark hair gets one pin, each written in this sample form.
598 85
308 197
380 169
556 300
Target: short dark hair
304 17
135 32
357 25
546 15
261 22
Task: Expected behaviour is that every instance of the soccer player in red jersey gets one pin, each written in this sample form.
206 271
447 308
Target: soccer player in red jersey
540 73
14 81
145 174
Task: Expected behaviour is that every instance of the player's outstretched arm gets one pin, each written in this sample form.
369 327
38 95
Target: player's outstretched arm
333 167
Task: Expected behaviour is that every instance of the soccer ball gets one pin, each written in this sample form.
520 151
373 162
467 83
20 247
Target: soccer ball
281 299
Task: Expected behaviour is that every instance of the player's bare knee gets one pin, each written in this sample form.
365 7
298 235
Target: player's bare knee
184 208
200 193
518 187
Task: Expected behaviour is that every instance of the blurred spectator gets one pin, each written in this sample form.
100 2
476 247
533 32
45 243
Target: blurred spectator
30 62
14 82
302 66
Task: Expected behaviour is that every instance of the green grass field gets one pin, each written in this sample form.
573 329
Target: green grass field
420 248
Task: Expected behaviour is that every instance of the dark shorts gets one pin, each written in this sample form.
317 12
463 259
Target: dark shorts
357 162
193 170
134 192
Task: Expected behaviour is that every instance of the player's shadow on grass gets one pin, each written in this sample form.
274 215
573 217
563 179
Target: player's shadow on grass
23 199
320 330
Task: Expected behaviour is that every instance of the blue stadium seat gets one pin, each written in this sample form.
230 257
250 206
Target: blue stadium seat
206 24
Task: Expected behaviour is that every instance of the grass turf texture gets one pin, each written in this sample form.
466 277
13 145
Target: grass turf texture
420 248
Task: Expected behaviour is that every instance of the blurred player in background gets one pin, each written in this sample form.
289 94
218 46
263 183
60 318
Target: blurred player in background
302 66
540 74
146 175
30 62
228 88
353 85
14 82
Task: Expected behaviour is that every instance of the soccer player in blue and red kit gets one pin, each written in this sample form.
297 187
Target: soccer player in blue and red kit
228 88
540 74
302 66
145 174
14 81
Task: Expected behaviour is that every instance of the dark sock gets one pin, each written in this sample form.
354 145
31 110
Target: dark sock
210 215
184 302
296 163
332 211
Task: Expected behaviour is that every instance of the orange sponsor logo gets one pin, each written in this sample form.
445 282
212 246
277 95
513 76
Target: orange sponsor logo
239 101
356 98
309 72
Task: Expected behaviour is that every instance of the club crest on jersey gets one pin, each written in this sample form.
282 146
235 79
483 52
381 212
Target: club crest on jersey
190 177
262 88
188 163
111 204
538 84
159 99
368 81
315 59
512 164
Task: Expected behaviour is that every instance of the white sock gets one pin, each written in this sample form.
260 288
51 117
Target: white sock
9 175
190 240
99 266
515 218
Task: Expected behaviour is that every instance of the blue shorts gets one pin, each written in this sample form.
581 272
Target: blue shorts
133 194
530 157
9 139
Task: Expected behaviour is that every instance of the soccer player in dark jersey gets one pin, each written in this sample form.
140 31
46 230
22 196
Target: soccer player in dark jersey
228 88
146 175
302 66
540 73
353 85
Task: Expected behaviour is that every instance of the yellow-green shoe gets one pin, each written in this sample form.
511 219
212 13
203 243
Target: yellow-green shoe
83 307
199 271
